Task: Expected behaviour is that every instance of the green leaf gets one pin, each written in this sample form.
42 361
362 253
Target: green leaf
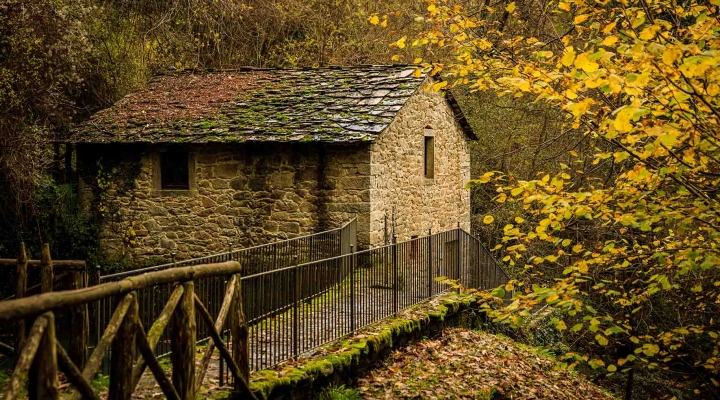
602 340
498 292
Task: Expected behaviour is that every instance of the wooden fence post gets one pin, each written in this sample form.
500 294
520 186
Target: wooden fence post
46 270
183 332
38 385
79 322
20 288
123 355
239 334
43 378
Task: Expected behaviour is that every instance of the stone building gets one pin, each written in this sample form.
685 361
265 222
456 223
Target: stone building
251 155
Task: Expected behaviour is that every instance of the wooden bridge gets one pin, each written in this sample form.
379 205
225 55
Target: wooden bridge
39 354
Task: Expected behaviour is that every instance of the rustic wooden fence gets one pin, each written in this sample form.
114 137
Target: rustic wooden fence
40 355
71 274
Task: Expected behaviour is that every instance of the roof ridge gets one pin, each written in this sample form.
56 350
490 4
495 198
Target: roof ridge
193 70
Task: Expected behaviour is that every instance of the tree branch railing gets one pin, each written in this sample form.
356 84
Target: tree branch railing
132 348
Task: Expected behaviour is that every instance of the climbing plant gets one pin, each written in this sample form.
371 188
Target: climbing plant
623 240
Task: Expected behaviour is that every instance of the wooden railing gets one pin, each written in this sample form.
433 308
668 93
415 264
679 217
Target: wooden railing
73 273
131 347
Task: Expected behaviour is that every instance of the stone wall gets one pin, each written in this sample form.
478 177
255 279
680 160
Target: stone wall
397 171
248 193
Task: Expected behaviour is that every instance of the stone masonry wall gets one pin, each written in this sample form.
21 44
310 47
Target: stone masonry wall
397 172
248 193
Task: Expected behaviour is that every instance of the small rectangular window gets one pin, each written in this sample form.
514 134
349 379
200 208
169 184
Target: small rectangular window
429 157
174 171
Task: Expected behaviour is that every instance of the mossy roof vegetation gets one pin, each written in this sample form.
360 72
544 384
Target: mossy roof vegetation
334 104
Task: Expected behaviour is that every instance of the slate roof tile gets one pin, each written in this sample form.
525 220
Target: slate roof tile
334 104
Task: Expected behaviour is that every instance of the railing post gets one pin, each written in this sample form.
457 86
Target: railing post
239 334
296 311
275 256
123 354
352 288
459 257
182 344
42 382
430 264
79 322
40 371
310 250
20 288
395 276
46 270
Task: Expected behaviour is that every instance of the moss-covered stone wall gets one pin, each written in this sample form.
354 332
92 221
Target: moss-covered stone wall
344 360
250 194
398 173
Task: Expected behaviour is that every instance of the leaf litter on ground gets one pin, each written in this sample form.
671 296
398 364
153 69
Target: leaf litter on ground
466 364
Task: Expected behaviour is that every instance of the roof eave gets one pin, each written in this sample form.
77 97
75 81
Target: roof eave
460 116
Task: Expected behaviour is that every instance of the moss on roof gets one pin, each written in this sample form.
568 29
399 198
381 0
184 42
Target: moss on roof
335 104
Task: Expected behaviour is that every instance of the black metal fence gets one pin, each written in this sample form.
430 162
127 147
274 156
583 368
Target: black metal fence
326 299
301 293
258 260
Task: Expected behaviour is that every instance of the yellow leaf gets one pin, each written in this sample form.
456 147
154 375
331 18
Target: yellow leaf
374 20
609 27
439 85
611 368
581 18
622 120
609 41
585 64
670 55
519 220
649 32
417 60
488 219
510 7
568 56
560 325
564 6
401 43
650 349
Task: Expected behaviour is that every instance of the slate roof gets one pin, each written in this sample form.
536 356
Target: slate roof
335 104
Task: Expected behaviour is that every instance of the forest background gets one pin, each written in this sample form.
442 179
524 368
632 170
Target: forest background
596 176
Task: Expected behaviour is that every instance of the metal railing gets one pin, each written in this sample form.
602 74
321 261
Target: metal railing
320 301
255 260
